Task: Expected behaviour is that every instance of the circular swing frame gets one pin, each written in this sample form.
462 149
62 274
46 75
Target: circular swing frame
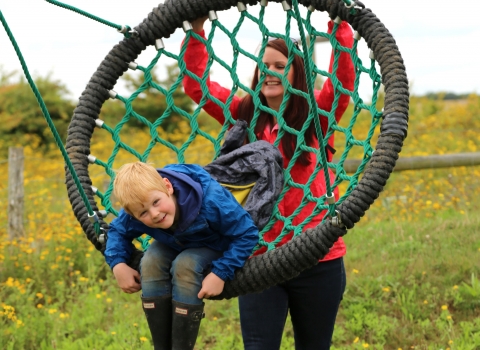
304 251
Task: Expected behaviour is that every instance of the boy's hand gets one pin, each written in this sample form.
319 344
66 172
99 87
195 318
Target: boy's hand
127 278
212 285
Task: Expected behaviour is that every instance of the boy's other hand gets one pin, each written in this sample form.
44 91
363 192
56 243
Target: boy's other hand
128 279
212 285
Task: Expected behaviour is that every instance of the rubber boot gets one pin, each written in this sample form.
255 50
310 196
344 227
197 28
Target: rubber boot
185 324
158 311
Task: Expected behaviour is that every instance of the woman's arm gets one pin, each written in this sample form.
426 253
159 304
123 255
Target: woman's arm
345 73
196 58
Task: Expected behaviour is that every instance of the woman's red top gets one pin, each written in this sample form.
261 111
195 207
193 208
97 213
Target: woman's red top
196 60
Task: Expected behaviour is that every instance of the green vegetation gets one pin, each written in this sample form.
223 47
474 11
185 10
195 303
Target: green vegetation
22 118
413 278
409 284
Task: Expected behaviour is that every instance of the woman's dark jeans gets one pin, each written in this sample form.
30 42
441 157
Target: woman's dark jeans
313 298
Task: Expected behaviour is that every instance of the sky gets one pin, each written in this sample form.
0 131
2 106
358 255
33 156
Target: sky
439 45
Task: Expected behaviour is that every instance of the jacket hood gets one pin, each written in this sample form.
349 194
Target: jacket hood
188 194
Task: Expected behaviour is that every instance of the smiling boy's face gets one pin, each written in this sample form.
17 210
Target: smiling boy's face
158 210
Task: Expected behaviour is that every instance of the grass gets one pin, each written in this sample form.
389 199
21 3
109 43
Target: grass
408 285
412 284
412 261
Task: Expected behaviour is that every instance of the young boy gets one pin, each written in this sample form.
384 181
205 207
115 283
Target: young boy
197 225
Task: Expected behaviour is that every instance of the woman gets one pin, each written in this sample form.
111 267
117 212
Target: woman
313 297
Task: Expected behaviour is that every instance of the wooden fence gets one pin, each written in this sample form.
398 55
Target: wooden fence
15 192
16 170
427 162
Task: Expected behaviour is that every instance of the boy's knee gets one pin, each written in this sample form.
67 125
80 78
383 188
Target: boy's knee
187 268
153 264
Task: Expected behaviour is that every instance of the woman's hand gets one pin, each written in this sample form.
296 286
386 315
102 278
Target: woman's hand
198 24
212 285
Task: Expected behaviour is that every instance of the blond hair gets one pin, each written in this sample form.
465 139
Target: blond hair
134 181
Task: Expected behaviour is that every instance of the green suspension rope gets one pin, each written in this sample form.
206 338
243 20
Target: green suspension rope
51 125
125 30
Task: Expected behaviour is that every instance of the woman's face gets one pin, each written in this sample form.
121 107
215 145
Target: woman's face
272 87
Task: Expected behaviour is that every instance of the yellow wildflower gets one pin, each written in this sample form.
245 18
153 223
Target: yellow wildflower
10 282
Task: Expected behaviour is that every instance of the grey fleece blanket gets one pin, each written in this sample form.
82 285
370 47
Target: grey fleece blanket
258 162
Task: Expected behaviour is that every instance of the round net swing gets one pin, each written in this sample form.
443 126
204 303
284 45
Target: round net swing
363 185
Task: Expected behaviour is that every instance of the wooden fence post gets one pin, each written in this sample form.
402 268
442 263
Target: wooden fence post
15 192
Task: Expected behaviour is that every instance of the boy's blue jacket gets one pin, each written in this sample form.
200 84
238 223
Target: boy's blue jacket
209 217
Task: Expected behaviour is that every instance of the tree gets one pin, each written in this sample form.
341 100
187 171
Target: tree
21 116
152 102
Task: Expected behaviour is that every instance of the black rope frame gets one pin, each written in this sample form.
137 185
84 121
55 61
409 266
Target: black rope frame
304 251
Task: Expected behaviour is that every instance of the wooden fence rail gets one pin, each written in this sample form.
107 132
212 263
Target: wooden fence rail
16 169
427 162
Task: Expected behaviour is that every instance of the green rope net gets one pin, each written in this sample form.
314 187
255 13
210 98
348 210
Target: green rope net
195 132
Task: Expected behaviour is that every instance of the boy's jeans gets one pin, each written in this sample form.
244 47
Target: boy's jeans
166 271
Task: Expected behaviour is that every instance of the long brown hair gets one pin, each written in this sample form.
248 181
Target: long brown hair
296 112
